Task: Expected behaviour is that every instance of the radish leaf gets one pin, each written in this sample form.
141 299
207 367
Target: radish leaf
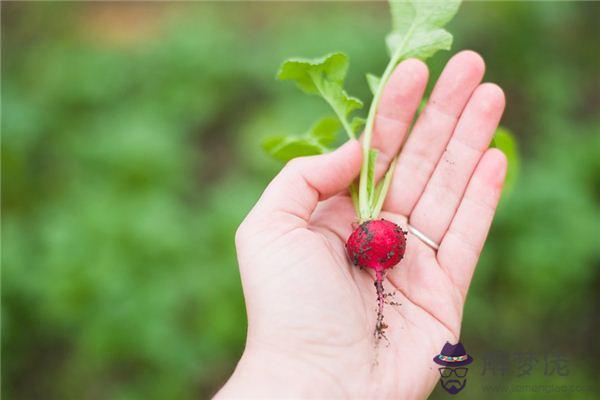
417 27
373 82
357 124
284 148
325 130
315 141
324 76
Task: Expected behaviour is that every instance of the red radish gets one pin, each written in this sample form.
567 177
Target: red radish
378 245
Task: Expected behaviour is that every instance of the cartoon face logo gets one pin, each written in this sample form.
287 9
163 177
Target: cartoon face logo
453 372
453 379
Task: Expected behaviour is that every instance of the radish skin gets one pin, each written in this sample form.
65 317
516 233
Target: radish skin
378 245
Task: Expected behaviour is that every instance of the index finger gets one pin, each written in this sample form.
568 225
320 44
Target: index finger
399 102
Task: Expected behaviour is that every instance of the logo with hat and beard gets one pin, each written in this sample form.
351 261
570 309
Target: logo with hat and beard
453 371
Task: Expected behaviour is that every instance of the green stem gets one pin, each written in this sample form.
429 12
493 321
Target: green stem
363 199
365 211
354 195
340 116
345 123
385 185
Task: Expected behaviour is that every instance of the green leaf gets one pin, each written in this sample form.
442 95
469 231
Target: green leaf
357 124
339 100
417 27
324 76
325 130
316 140
284 148
371 175
373 82
504 140
309 72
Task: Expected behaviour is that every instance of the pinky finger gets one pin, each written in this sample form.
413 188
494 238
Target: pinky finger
461 245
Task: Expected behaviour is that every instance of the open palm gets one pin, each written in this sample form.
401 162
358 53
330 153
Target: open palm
311 314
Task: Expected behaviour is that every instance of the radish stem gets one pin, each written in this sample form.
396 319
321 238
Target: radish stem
365 209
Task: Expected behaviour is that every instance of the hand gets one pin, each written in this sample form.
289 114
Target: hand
311 314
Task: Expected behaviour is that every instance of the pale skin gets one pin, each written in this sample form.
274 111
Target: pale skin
311 313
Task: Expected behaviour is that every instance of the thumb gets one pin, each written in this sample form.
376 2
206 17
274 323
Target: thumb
304 181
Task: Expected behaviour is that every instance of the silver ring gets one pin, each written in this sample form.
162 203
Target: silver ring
421 236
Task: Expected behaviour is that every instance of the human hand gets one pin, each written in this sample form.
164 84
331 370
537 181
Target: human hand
311 313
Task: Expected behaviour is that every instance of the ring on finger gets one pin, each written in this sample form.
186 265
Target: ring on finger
423 238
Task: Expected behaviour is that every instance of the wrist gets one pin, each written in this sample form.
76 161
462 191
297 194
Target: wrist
272 373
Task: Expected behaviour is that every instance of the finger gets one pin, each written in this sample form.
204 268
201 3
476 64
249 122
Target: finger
290 198
462 244
432 130
399 102
438 203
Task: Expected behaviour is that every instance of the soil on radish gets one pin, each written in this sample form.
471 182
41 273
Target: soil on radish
378 245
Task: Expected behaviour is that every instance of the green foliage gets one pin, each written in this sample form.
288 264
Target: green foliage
316 141
324 77
127 167
505 140
312 74
373 82
325 130
417 27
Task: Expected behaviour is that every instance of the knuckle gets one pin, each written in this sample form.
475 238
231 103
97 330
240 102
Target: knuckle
294 165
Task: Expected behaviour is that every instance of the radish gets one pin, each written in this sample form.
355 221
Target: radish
378 245
417 31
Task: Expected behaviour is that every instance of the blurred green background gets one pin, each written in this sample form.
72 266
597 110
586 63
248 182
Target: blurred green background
131 152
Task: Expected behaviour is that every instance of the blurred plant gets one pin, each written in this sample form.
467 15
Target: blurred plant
505 140
124 164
